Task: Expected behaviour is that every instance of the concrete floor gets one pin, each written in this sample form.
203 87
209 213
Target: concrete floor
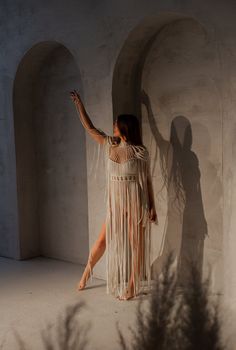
34 292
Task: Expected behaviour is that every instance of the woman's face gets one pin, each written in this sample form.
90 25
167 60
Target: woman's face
116 131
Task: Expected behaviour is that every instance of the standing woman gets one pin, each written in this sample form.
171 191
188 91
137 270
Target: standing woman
125 233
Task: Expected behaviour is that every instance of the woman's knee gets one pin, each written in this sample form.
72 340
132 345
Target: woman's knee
102 237
102 242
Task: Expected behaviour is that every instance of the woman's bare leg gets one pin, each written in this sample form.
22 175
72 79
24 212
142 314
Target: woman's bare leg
95 254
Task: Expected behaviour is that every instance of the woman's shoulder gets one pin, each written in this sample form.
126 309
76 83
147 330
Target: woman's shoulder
112 140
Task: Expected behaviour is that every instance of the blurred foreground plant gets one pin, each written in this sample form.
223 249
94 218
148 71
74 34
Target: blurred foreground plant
70 334
178 317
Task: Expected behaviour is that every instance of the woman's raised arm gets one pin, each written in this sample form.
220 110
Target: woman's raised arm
96 134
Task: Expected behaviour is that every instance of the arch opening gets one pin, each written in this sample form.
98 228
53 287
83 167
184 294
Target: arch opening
165 74
50 156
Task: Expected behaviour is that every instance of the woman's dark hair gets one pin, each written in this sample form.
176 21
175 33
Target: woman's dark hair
129 127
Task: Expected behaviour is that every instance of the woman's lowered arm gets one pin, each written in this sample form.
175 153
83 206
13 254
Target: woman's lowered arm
96 134
152 207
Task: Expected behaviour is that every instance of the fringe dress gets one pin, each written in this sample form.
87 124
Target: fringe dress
128 227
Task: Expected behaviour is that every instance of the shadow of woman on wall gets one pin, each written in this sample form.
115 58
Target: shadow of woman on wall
186 224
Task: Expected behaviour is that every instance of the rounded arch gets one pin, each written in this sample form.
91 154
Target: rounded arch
173 58
128 69
50 156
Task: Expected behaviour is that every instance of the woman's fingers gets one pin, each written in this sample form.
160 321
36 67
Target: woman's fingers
153 216
72 94
75 95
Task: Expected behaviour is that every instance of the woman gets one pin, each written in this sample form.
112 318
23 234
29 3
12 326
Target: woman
130 207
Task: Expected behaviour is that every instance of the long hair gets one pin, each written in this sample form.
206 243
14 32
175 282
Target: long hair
129 127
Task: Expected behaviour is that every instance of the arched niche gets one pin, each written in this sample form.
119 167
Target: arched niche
129 64
174 60
50 156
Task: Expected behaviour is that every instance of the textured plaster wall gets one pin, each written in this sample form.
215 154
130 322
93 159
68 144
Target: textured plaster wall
188 70
179 78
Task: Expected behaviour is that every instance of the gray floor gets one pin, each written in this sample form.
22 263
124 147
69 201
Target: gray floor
34 292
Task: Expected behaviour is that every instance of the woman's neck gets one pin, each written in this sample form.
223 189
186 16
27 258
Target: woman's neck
123 142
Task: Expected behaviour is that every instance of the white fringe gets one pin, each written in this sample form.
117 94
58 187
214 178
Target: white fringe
128 228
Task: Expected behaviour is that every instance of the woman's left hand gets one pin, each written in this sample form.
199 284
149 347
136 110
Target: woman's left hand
153 215
75 97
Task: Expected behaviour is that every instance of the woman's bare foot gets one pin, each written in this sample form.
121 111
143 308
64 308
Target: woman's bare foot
129 293
81 284
84 279
87 273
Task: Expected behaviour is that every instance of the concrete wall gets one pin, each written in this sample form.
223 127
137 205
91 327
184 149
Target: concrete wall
187 69
184 108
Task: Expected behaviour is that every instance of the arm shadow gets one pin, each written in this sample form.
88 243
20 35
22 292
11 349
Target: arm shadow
186 226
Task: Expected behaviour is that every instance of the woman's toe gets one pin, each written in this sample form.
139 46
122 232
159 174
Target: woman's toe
80 286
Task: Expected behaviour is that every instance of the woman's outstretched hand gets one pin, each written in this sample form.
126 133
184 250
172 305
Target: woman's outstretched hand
75 97
153 215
